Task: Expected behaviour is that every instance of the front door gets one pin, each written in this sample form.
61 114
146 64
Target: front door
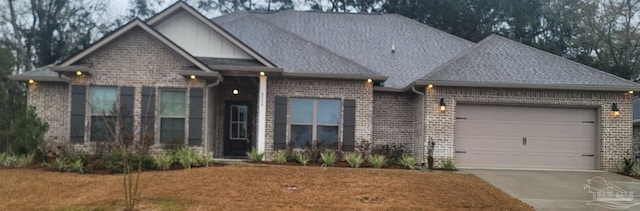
237 135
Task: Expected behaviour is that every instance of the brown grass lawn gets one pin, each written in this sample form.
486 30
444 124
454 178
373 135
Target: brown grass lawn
237 187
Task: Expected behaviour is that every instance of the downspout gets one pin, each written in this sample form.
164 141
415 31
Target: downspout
206 123
422 124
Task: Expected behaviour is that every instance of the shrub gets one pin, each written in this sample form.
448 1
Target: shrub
408 161
27 132
9 160
77 166
314 150
164 161
377 160
448 164
255 156
136 161
635 171
329 158
281 156
3 158
204 159
60 164
354 159
186 157
302 158
626 166
24 160
391 152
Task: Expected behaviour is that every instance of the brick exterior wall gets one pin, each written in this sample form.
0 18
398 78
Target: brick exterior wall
134 59
393 122
52 105
614 133
361 91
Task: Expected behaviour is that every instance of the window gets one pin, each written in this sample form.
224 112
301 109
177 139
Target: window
238 123
172 115
103 102
314 120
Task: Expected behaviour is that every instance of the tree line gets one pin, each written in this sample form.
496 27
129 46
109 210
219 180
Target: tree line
600 33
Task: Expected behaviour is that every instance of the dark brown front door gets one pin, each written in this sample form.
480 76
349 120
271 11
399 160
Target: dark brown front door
237 135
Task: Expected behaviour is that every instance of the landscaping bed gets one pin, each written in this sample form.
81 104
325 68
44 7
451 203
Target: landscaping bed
254 187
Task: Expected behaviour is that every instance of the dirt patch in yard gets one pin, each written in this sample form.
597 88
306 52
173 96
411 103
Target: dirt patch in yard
252 187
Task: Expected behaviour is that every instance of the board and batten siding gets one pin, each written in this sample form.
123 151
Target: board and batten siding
200 41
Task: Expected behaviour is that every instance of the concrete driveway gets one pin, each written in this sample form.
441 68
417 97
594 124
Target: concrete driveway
566 190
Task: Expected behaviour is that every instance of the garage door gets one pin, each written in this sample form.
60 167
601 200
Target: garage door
491 136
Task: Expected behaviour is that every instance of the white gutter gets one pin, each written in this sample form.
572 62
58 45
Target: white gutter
422 124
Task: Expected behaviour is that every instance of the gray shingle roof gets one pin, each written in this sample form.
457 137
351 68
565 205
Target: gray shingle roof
287 50
362 39
500 60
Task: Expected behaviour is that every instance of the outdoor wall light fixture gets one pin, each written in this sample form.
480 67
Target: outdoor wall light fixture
430 86
615 109
193 77
443 106
31 81
78 73
262 73
369 80
234 92
630 92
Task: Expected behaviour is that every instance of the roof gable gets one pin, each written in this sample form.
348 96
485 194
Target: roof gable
137 23
183 8
497 60
363 39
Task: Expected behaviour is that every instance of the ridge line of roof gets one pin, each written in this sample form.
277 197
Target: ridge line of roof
452 60
413 21
493 36
308 41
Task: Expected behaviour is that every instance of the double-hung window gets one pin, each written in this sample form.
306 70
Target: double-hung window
314 120
172 115
103 102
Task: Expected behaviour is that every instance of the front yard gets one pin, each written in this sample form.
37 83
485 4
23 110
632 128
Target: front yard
236 187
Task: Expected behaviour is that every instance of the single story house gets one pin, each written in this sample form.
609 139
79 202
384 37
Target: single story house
271 80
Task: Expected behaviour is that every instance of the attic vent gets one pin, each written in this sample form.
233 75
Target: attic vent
393 48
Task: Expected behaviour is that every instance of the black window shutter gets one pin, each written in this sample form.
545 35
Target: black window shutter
126 111
78 101
148 112
196 103
349 125
280 129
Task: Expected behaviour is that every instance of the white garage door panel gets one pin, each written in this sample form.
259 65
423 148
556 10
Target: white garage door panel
556 138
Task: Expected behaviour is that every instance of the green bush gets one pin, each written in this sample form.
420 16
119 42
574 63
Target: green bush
204 159
377 160
77 166
27 132
281 157
3 159
391 152
136 161
24 160
635 171
186 157
164 161
626 166
448 164
408 161
354 159
255 156
329 158
302 158
60 164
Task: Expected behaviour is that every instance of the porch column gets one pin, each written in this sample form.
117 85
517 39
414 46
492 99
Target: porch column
262 114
